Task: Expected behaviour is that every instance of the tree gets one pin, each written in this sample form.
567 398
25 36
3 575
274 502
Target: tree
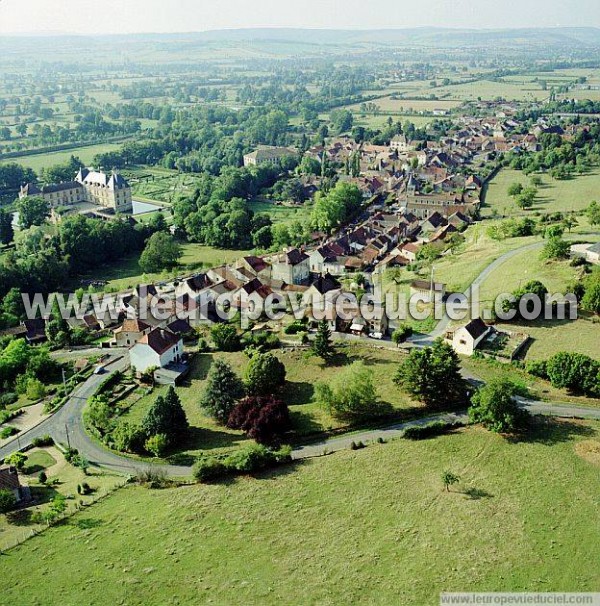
57 328
591 297
8 500
322 345
526 198
555 248
403 332
432 375
16 459
166 417
7 232
157 444
225 337
449 479
575 371
32 210
351 395
264 375
337 206
495 407
161 252
532 288
514 189
593 213
264 419
100 413
223 388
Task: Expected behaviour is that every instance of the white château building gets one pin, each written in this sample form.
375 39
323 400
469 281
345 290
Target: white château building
91 186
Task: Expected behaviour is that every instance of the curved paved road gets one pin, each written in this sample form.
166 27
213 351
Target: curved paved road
442 325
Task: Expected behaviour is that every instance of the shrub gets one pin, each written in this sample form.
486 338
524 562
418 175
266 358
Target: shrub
7 500
43 441
8 398
575 371
352 394
152 477
157 444
6 432
209 469
436 428
225 337
42 477
251 459
537 368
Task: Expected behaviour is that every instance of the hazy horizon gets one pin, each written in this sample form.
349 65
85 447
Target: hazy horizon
56 17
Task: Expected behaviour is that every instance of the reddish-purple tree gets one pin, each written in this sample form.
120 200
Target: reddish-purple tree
264 419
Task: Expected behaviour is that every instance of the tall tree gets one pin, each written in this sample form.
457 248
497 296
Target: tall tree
322 345
161 252
223 389
264 375
432 375
495 407
32 210
7 232
166 417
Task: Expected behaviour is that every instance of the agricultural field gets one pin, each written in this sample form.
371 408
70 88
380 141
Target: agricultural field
303 371
372 526
84 153
568 195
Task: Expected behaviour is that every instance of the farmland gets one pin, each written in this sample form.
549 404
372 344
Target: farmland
370 526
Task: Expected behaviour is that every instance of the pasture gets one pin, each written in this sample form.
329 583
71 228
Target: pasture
371 526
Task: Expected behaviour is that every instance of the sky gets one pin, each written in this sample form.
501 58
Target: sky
133 16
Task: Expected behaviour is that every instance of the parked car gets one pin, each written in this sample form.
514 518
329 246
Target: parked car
376 335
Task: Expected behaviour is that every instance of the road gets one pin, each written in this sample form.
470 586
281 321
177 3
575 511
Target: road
442 325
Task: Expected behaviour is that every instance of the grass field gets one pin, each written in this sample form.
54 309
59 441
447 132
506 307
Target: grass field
281 213
85 154
303 372
569 195
548 336
364 527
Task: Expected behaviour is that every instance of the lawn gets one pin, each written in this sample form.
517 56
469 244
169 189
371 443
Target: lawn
459 269
303 372
372 526
281 213
569 195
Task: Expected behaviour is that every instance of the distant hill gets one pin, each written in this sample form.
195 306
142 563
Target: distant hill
282 42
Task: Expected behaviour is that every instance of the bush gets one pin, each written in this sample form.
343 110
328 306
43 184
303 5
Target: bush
261 340
152 478
209 470
7 500
8 398
42 477
537 368
264 374
295 327
157 444
8 431
436 428
43 441
225 337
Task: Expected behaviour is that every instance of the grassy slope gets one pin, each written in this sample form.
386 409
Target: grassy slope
363 527
568 195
